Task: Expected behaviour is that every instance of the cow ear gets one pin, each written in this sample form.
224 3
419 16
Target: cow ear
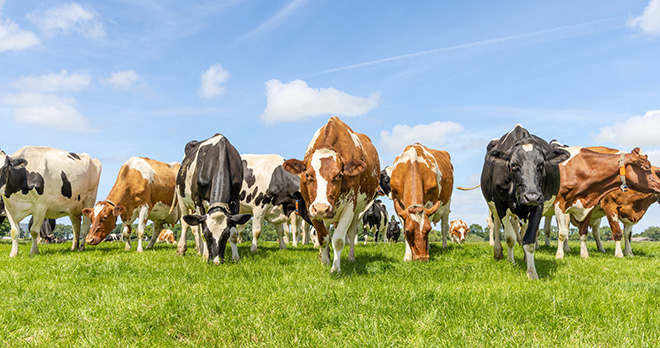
18 163
557 156
294 166
240 219
194 220
120 209
354 167
88 212
498 157
400 209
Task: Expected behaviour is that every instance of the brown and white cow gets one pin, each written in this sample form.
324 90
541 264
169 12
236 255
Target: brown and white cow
338 178
586 177
422 181
166 235
144 190
458 230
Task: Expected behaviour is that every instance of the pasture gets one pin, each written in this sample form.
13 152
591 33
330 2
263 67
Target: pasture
106 297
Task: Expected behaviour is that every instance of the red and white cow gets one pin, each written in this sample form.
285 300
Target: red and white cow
422 181
458 229
166 235
47 183
339 177
144 190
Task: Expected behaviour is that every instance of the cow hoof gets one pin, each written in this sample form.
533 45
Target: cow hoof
532 276
618 255
559 255
236 258
253 249
498 256
335 270
351 258
13 254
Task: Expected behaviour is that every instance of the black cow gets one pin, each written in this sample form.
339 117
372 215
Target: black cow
384 187
207 186
374 220
393 230
520 176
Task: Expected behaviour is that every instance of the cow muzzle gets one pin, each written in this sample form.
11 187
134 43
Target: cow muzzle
321 210
531 198
92 239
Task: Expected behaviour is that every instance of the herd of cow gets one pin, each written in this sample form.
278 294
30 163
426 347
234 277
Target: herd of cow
215 190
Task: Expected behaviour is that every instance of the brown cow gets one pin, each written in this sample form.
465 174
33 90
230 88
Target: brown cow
422 181
338 178
587 177
166 235
144 190
458 229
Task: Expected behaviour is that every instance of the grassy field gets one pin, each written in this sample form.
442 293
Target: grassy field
106 297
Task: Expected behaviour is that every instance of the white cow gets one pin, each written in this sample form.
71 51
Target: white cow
48 183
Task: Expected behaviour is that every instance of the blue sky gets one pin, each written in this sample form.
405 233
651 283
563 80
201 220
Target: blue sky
117 79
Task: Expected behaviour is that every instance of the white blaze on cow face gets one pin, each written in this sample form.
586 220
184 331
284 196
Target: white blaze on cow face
527 147
98 209
321 203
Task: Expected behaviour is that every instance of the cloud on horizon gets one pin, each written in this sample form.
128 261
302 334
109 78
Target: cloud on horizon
67 19
212 80
293 101
642 131
431 135
48 110
649 20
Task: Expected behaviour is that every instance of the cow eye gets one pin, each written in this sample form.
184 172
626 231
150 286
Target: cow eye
309 177
338 177
515 167
539 167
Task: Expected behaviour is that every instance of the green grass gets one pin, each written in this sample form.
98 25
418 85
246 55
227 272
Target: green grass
106 297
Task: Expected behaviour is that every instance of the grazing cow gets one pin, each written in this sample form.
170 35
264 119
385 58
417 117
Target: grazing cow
393 230
46 235
144 190
166 235
338 178
208 185
47 183
422 182
374 220
520 179
385 188
270 193
587 177
114 237
458 229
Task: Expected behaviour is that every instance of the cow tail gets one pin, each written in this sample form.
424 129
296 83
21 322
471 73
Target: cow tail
174 203
467 188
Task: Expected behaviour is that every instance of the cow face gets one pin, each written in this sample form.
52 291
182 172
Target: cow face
526 165
385 182
641 176
459 230
321 179
416 225
217 226
104 220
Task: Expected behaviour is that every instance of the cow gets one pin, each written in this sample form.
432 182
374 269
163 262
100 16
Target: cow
519 180
166 235
422 181
393 230
46 235
339 177
587 177
458 229
114 237
48 183
270 193
144 190
384 187
208 185
374 220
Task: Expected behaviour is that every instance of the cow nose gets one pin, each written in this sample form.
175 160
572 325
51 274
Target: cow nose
92 240
321 210
531 198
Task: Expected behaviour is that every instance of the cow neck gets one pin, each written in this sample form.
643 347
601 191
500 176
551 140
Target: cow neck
580 168
415 190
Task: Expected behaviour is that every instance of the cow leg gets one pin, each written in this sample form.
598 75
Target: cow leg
530 239
257 225
240 229
547 228
38 220
142 223
293 220
494 225
491 227
352 239
182 245
285 234
233 239
322 238
627 233
613 220
280 235
515 223
510 237
584 233
15 232
305 233
562 231
158 226
75 225
339 237
127 234
595 230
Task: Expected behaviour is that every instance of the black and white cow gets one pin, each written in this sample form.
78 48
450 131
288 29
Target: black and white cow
374 220
270 193
114 237
393 230
48 183
46 235
384 187
520 176
207 186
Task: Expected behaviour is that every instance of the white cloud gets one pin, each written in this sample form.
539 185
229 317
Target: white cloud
654 157
69 18
212 80
296 100
432 134
639 131
52 82
276 20
14 38
48 110
649 20
123 79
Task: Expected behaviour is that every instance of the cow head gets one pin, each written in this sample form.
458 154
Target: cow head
385 182
459 230
640 175
322 177
218 224
104 220
526 164
416 227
